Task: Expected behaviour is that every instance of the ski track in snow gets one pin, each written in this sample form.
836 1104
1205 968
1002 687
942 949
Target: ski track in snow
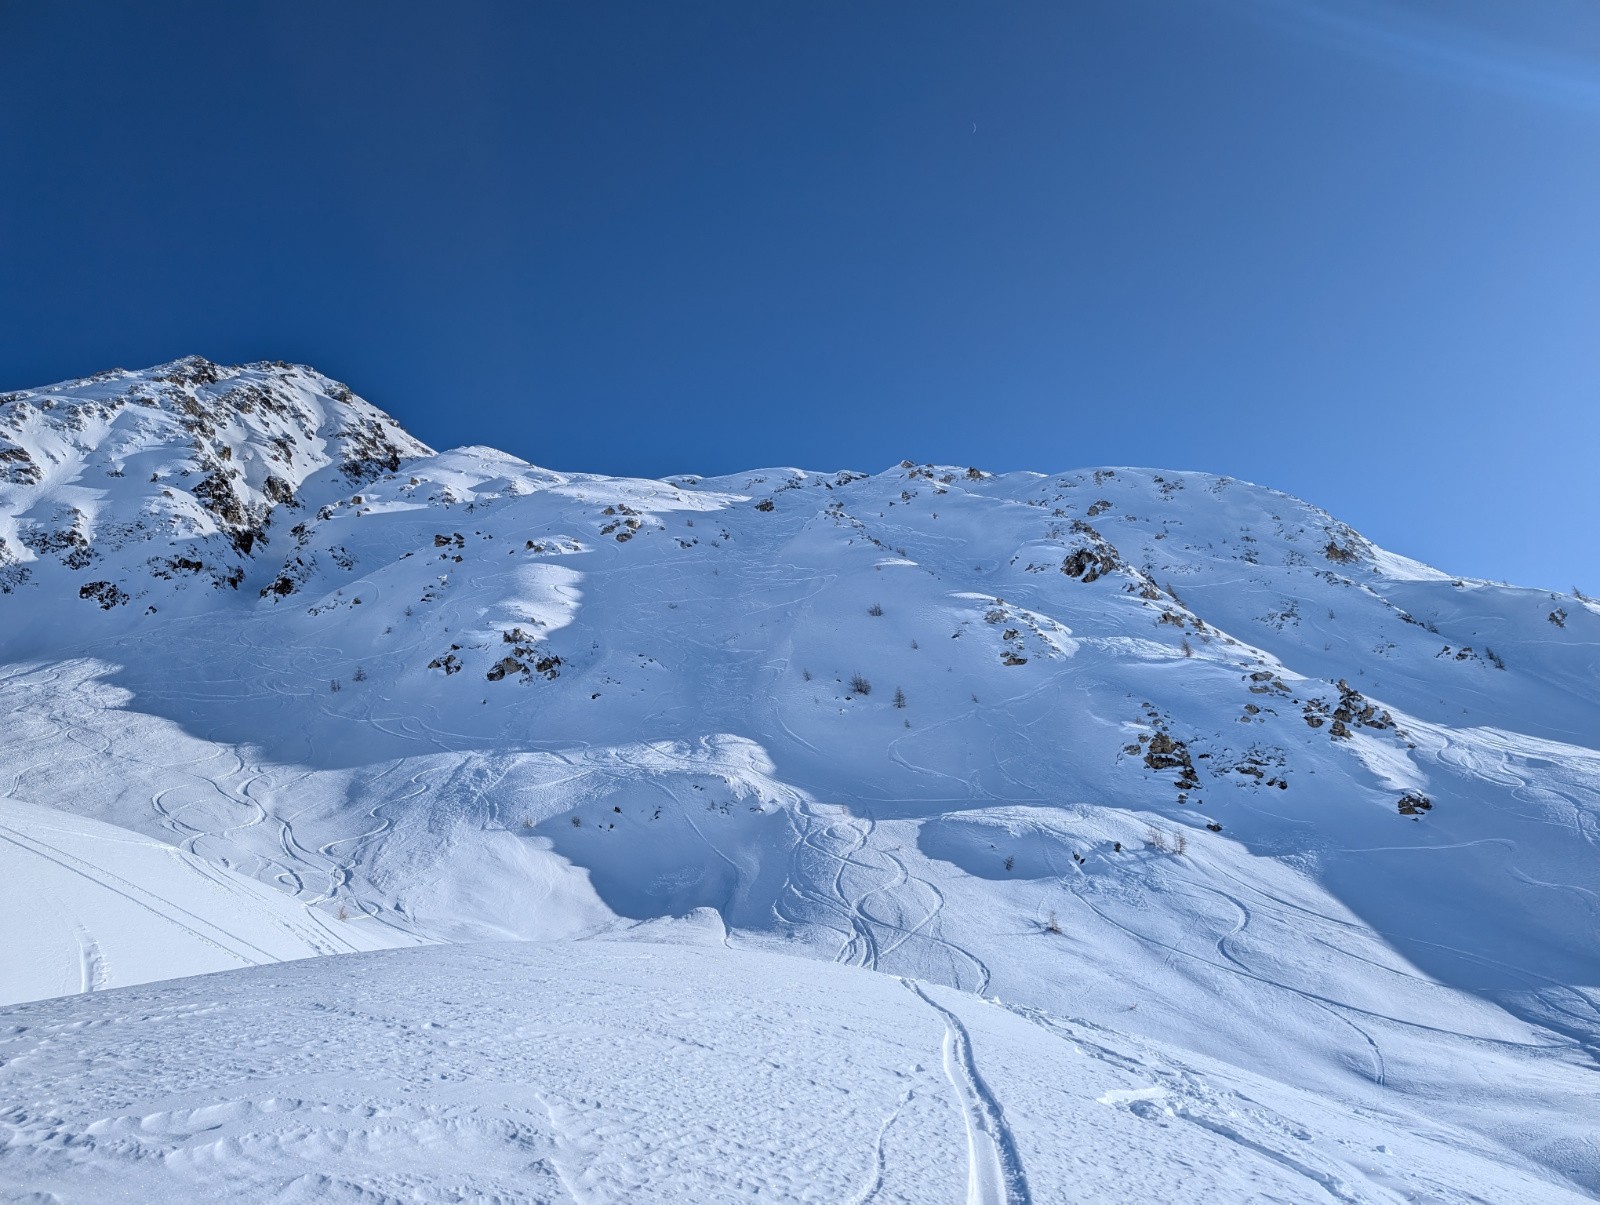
994 1169
203 930
875 1186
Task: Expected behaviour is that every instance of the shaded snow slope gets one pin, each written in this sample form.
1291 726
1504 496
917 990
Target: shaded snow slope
949 725
622 1071
89 906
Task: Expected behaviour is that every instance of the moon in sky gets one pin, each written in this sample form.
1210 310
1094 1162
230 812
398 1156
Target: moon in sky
974 127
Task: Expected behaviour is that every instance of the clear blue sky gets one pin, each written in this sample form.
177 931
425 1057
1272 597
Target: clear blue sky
1348 248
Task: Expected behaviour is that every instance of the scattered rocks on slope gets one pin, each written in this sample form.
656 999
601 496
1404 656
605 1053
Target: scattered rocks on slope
1353 709
1162 751
1090 564
106 594
506 665
1414 803
450 663
17 467
1266 682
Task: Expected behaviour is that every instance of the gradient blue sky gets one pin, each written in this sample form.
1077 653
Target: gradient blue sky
1347 248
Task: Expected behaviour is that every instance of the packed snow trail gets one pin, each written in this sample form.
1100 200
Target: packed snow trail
994 1170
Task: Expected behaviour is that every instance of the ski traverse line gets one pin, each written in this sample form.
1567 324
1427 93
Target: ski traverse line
994 1169
1334 1008
127 890
870 1193
1184 1107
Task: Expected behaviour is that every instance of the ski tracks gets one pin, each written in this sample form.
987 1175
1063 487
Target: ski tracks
845 843
244 951
879 1164
994 1169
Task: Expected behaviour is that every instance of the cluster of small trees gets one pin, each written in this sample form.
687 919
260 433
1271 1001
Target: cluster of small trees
1176 842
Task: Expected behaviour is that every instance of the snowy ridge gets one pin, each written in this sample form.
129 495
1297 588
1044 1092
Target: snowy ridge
173 475
1167 751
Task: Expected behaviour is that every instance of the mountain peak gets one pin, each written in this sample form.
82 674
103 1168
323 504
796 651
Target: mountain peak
187 462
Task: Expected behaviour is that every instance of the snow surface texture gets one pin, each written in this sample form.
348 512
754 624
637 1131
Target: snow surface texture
586 1072
1174 753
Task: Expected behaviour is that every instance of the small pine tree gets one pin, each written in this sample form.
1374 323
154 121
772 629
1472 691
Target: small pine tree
899 698
335 686
859 685
875 610
360 675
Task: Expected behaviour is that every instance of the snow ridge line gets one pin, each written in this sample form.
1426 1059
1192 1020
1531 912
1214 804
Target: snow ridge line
994 1169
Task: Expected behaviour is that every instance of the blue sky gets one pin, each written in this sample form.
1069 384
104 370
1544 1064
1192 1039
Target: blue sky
1342 247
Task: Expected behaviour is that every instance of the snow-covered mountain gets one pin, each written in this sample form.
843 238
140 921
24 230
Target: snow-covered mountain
1178 754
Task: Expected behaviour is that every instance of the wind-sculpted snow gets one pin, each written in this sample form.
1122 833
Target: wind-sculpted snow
608 1071
1176 753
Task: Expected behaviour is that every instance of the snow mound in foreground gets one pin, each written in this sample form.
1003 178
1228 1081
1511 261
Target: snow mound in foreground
644 1072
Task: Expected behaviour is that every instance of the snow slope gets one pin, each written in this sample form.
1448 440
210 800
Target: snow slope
643 1072
90 906
945 724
